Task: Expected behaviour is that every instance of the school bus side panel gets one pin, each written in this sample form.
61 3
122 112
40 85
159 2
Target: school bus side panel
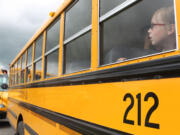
106 104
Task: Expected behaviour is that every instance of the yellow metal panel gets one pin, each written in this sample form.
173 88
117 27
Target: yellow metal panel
11 119
103 104
62 130
3 100
178 15
178 20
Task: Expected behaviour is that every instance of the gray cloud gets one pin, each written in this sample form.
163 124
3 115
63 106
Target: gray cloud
19 21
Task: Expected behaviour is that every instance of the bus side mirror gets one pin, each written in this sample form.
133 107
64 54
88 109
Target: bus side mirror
4 86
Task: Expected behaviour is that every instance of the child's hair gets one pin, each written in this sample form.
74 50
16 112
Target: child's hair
166 14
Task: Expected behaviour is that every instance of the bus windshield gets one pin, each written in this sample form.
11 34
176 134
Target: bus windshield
3 79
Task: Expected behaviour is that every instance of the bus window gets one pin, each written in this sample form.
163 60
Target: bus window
52 36
3 80
78 35
28 73
77 17
15 72
52 61
29 56
38 47
52 49
120 39
29 64
12 72
23 68
37 70
18 70
77 54
38 58
23 61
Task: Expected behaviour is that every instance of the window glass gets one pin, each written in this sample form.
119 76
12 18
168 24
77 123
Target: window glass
52 61
38 46
23 61
3 79
28 73
18 70
17 78
122 39
12 74
107 5
15 72
29 57
22 76
77 54
37 70
52 37
78 17
19 65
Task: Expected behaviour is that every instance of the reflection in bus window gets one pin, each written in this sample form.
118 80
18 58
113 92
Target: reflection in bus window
23 68
18 70
3 80
37 70
28 73
15 72
120 39
52 61
107 5
23 61
22 76
77 54
78 17
52 36
29 56
38 46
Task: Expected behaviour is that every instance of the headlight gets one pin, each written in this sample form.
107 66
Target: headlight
2 106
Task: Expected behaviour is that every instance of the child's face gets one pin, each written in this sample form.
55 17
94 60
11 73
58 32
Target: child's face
158 31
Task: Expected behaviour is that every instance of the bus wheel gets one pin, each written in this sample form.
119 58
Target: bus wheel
20 128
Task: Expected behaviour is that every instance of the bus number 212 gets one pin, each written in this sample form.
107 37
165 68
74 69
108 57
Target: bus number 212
151 110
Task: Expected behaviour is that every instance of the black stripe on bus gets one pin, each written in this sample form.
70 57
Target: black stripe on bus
154 69
30 130
12 113
78 125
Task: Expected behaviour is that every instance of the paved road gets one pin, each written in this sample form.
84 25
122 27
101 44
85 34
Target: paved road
5 128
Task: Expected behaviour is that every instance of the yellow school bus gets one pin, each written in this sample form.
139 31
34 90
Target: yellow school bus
100 67
3 93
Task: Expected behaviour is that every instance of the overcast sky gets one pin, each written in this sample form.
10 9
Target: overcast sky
19 20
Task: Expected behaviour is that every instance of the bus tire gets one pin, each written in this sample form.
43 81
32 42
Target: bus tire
20 128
